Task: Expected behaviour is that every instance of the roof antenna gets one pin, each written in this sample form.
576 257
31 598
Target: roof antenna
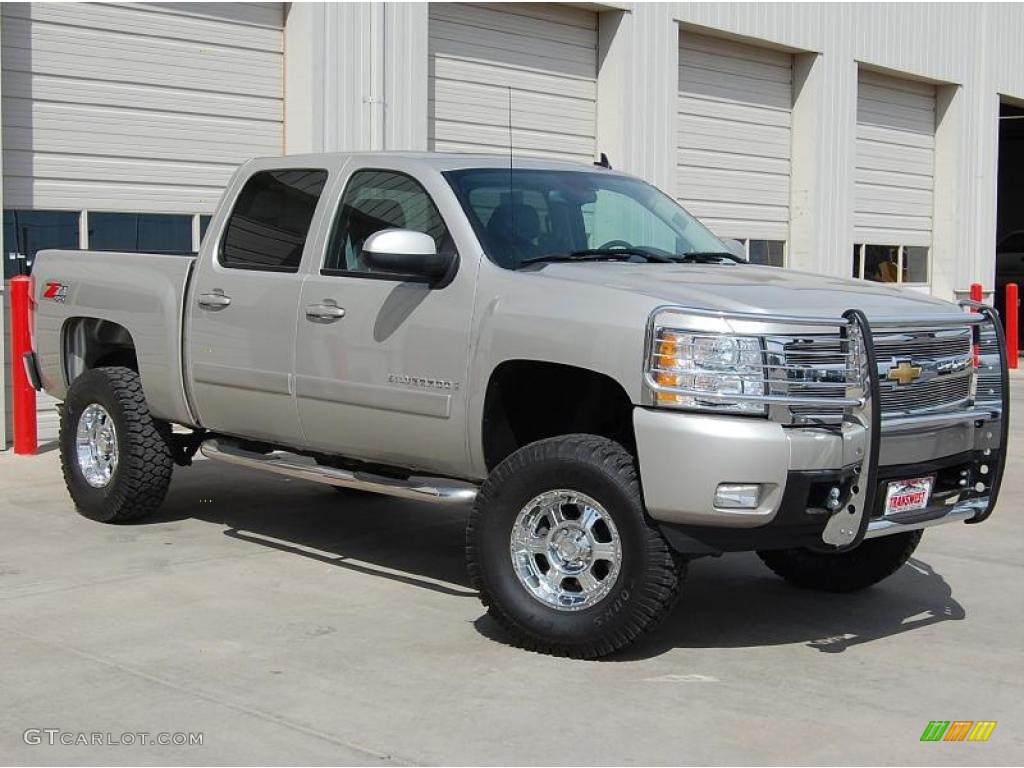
603 162
511 192
510 134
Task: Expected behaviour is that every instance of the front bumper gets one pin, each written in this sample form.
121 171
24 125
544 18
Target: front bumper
683 457
800 517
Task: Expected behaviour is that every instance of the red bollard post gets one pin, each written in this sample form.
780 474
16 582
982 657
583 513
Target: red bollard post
976 292
1012 317
25 440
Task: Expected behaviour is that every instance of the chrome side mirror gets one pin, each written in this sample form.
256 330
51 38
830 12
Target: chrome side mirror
405 253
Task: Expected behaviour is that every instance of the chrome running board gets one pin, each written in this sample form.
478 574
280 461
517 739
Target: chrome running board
433 489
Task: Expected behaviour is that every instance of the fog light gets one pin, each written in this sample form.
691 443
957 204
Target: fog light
737 495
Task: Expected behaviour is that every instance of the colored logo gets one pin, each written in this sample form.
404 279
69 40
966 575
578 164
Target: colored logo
55 292
904 373
958 730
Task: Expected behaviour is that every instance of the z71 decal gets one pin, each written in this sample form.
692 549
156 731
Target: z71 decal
55 292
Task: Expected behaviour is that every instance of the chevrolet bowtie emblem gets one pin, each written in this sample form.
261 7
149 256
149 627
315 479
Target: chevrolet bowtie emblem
904 372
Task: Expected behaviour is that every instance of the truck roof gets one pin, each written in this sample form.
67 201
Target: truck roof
435 161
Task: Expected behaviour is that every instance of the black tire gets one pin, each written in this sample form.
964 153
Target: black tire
869 563
139 483
650 574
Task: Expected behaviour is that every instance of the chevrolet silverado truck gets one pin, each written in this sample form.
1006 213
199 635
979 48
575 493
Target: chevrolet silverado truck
563 347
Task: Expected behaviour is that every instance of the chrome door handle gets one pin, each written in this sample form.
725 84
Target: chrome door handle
324 311
213 300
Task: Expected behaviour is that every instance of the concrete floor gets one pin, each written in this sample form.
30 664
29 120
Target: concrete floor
293 625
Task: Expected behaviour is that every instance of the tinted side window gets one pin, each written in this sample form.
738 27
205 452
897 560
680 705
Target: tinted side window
376 200
269 223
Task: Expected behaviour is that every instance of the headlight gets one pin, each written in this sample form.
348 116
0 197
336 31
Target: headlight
717 365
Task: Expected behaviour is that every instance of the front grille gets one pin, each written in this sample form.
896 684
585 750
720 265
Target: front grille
930 394
822 369
990 379
956 341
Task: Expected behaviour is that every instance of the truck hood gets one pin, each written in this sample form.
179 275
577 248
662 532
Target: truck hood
749 288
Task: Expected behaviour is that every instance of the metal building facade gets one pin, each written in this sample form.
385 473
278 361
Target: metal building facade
810 132
956 61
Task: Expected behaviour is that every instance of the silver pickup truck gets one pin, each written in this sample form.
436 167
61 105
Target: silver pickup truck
562 346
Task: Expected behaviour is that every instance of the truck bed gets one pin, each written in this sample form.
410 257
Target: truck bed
144 293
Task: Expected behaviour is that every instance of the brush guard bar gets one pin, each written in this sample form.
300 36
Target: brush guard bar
863 425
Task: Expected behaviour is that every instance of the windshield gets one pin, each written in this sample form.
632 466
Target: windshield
523 216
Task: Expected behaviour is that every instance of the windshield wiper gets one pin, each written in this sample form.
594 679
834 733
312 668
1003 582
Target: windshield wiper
708 257
599 254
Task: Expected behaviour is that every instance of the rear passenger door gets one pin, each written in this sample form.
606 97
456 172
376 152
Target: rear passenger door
241 334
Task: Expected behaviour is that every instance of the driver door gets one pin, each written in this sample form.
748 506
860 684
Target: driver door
381 360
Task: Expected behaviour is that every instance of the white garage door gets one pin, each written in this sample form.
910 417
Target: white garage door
546 53
895 161
734 135
143 107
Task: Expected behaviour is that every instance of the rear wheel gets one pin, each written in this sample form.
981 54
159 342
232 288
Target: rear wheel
867 564
562 553
116 461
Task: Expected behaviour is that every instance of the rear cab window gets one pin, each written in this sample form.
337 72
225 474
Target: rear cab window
269 224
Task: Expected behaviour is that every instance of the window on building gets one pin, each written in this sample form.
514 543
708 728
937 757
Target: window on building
891 263
771 253
140 232
914 264
268 226
204 224
27 232
376 200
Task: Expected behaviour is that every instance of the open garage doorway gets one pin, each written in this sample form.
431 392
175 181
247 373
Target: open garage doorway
1010 211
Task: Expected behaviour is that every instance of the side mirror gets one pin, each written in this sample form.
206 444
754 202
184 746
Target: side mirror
735 247
402 252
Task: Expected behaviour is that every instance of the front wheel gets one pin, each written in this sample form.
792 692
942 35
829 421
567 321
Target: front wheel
562 553
858 568
117 464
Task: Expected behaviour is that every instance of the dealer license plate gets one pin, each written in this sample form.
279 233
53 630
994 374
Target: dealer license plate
908 495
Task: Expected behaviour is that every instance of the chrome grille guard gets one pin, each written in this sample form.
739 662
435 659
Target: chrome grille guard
861 414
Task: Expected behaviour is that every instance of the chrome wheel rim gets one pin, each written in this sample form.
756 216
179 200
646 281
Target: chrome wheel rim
566 550
96 443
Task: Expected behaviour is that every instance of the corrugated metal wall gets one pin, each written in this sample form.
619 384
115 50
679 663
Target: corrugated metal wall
734 136
144 107
895 171
547 55
974 47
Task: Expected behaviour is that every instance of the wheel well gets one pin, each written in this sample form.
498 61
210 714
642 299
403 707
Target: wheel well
90 342
528 400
